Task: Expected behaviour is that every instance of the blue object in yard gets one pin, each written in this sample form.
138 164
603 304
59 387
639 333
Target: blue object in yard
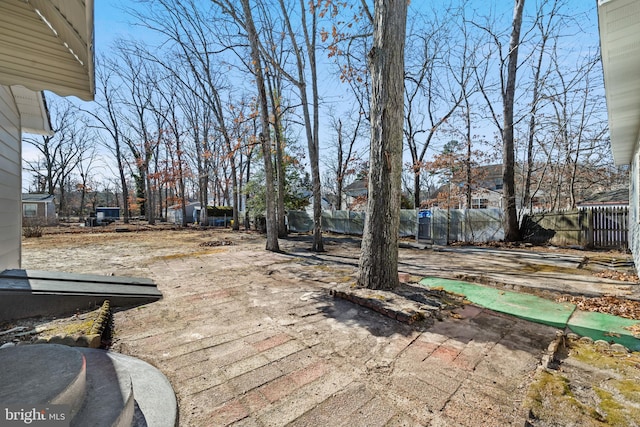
107 214
221 222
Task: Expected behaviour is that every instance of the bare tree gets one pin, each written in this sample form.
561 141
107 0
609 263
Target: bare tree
274 84
431 92
548 23
169 91
304 52
511 226
86 168
190 29
343 156
578 121
60 153
137 98
508 67
378 266
109 119
246 22
198 118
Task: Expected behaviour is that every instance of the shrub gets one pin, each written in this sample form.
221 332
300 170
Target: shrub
32 228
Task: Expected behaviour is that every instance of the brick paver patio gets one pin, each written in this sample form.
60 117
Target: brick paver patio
267 346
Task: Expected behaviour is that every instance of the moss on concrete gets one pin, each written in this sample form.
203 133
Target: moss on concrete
617 412
605 393
550 397
82 330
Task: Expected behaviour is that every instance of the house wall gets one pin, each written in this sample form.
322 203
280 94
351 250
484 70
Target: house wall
46 212
174 213
10 181
493 198
634 217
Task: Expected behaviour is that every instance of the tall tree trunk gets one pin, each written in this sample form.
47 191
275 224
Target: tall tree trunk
247 221
123 185
281 180
141 196
416 188
511 227
378 267
339 174
83 195
265 140
311 123
314 155
274 95
181 186
62 208
203 171
150 200
467 160
527 199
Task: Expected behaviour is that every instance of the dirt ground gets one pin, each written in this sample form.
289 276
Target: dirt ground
213 275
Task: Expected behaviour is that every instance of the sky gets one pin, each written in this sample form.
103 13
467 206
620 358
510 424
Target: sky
111 22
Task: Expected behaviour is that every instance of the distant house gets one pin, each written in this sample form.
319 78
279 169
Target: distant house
325 205
488 177
39 208
484 198
481 198
174 213
611 198
356 194
486 190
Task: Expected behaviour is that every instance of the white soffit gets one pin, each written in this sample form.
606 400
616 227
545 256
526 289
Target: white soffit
619 22
34 117
48 45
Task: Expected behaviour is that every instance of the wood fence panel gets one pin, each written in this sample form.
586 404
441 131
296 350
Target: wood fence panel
610 227
597 227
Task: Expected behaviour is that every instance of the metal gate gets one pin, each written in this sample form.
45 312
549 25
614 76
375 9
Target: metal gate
424 225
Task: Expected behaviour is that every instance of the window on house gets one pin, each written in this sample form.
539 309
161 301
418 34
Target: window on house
30 210
479 203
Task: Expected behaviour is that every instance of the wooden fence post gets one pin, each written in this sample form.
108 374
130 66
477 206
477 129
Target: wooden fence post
590 228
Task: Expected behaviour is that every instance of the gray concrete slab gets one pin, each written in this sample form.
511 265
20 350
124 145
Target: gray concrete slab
109 398
151 389
42 374
27 293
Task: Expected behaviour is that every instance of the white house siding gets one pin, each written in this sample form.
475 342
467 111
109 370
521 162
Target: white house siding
634 214
10 181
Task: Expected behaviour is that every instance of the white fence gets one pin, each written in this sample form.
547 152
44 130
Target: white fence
605 227
348 222
465 225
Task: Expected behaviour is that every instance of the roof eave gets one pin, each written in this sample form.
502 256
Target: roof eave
619 24
34 115
48 45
